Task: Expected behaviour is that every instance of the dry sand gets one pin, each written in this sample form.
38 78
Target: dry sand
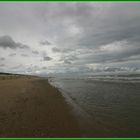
31 107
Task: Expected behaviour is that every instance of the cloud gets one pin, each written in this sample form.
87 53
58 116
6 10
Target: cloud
2 59
22 46
67 62
68 59
62 50
7 42
56 50
114 52
12 54
25 55
45 43
81 34
44 68
47 58
35 52
2 65
17 66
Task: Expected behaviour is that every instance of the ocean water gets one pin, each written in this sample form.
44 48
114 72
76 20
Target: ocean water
104 105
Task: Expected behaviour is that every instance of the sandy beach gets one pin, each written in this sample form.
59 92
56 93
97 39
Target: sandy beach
31 107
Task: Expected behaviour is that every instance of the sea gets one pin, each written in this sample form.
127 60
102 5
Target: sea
105 105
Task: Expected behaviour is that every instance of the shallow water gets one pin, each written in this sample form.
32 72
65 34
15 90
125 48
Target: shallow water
104 107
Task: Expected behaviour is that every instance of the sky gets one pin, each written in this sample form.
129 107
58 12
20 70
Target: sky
43 38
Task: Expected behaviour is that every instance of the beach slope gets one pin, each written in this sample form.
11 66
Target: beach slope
31 107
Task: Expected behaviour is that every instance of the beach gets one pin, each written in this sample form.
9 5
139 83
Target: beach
31 107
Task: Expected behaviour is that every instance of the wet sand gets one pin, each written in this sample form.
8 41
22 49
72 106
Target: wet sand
31 107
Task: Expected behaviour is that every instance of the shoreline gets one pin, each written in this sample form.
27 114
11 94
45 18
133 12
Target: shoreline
31 107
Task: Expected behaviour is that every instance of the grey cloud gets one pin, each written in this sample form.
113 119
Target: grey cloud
78 30
7 42
67 62
120 53
25 55
114 69
33 68
67 50
69 59
47 58
2 65
100 30
45 43
12 54
62 50
17 66
96 40
56 50
35 52
112 26
44 68
2 59
22 46
110 57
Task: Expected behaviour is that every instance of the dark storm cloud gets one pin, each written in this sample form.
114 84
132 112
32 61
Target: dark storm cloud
7 42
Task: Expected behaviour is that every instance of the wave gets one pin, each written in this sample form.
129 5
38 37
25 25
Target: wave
105 78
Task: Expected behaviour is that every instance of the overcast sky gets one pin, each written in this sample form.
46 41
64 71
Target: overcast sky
65 37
